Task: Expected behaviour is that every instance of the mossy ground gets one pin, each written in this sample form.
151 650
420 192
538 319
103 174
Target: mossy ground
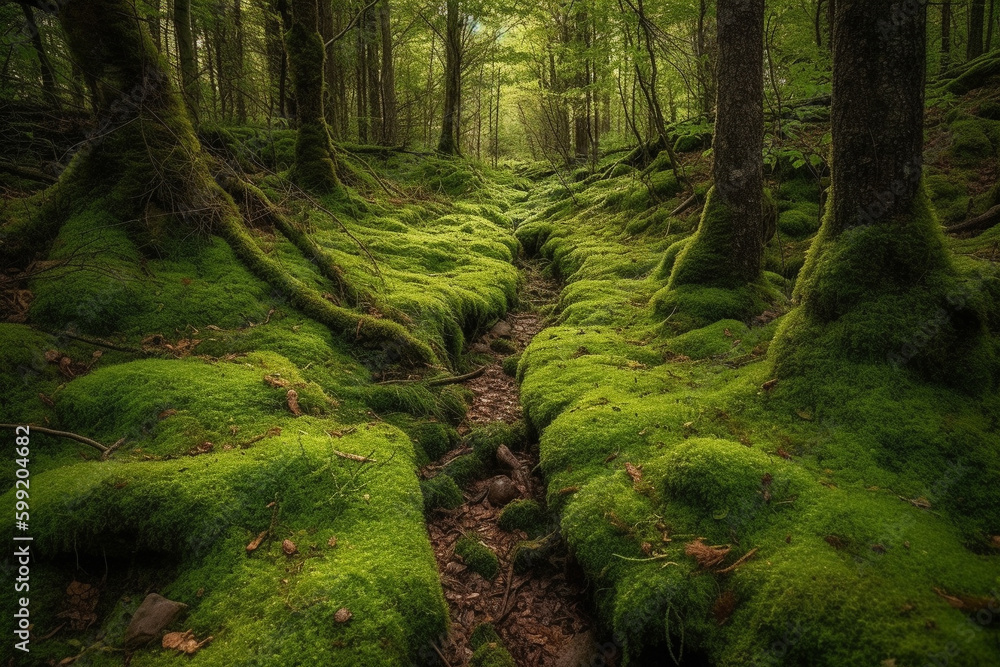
213 454
866 496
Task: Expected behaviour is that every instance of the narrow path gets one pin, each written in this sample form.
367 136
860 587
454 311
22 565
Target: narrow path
540 615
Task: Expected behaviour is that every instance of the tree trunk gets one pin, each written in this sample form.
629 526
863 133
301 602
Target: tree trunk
239 64
370 29
974 47
448 143
314 167
879 284
48 75
945 35
190 88
728 247
389 128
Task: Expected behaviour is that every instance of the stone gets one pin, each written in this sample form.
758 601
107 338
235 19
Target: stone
502 491
153 616
502 330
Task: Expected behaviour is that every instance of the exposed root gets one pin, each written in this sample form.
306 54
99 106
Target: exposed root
106 450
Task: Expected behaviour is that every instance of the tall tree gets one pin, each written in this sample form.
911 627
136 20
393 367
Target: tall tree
314 166
945 35
449 141
974 46
879 272
727 249
388 76
190 87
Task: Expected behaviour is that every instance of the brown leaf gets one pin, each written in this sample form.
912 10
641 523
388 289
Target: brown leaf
634 472
724 606
332 541
46 400
276 380
783 454
79 605
343 615
804 414
185 642
289 548
256 542
66 367
293 403
167 413
565 491
769 385
836 542
53 356
966 603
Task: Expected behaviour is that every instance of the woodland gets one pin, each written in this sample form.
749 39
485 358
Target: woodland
498 333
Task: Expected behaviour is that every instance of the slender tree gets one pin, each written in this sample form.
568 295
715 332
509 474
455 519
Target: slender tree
448 143
190 87
314 166
48 74
945 35
974 45
728 247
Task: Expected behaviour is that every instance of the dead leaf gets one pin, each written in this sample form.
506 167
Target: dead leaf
289 548
783 454
634 472
332 541
46 400
836 542
343 615
276 380
52 356
966 603
769 385
804 414
724 606
167 413
293 403
185 642
79 605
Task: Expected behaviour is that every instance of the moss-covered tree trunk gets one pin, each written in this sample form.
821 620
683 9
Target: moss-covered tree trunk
977 14
728 247
185 53
448 142
314 166
878 284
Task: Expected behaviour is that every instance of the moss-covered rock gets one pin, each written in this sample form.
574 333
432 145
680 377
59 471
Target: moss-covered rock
477 556
525 515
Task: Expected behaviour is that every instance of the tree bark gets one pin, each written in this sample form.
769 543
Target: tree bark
389 128
727 250
314 167
190 88
448 143
945 35
974 46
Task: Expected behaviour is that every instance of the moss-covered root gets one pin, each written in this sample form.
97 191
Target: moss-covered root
488 649
889 294
314 168
713 257
254 204
397 344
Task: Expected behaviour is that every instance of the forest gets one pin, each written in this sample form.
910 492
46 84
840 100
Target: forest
491 333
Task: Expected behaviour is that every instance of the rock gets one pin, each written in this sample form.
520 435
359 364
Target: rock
502 491
152 617
502 330
480 348
185 642
343 615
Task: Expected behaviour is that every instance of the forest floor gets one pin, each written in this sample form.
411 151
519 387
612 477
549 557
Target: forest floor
541 613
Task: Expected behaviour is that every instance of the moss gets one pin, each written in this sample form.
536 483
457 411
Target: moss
503 346
524 515
797 223
477 556
970 141
798 468
488 648
510 365
441 491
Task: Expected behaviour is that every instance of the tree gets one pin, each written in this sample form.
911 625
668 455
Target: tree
314 167
190 87
449 141
974 46
727 249
878 272
48 75
945 35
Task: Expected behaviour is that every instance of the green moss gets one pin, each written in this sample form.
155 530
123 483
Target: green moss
441 491
477 556
798 223
488 648
524 515
510 364
970 141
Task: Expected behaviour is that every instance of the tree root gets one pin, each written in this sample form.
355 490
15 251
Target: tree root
400 345
978 224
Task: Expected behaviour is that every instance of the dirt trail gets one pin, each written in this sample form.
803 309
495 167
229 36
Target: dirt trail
541 614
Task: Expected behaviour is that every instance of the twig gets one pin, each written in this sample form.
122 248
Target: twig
744 558
440 382
105 450
105 344
353 457
440 654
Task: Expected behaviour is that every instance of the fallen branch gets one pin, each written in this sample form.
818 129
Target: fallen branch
979 223
744 558
456 379
688 203
353 457
104 449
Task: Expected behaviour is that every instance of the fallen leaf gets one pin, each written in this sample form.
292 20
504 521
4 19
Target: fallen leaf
185 642
332 541
724 606
167 413
293 403
707 556
804 414
276 380
769 385
289 548
343 615
634 472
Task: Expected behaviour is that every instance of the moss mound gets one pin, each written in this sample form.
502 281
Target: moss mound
524 515
477 556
